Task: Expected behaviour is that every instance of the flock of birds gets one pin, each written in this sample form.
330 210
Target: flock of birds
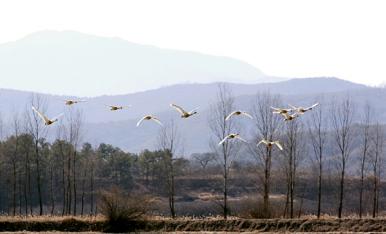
288 114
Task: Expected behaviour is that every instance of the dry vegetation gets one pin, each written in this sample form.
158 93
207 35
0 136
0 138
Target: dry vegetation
188 224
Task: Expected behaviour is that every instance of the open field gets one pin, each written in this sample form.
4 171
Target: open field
77 224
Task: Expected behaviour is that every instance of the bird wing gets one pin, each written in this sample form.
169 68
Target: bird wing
223 140
240 138
195 109
265 141
286 115
44 118
310 108
278 145
140 121
56 118
247 114
262 141
178 108
230 115
293 107
157 120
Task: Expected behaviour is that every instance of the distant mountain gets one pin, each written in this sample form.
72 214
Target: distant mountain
118 128
72 63
188 95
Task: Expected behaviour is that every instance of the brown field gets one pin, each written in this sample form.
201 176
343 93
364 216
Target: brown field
187 225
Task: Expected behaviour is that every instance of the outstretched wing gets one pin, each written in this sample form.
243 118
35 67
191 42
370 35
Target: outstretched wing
157 121
241 139
285 115
178 108
247 114
262 141
44 118
293 107
195 109
311 107
140 121
56 118
278 145
223 140
230 115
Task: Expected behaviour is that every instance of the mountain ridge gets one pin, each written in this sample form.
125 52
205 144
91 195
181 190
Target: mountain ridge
118 128
73 61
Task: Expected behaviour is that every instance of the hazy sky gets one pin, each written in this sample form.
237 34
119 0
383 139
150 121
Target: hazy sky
300 38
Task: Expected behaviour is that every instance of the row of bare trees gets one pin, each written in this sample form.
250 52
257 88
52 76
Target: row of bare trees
304 137
63 176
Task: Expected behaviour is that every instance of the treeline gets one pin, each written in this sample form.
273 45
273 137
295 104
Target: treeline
71 179
326 155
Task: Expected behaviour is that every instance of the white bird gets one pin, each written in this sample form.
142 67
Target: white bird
114 108
46 120
269 144
184 114
280 110
238 112
288 117
70 102
149 117
232 136
302 110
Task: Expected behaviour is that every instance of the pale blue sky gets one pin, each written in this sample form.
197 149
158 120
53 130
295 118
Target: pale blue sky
299 38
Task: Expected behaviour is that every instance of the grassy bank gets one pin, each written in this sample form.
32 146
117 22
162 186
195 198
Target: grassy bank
76 224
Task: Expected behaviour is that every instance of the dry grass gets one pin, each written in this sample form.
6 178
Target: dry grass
192 224
45 218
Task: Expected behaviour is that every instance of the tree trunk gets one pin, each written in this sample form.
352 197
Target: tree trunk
361 184
69 192
38 178
320 183
267 181
74 178
340 209
83 192
52 190
225 205
92 191
14 182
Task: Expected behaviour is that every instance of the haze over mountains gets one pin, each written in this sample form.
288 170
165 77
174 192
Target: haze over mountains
73 63
118 128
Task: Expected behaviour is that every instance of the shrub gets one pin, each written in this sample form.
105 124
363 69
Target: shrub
119 208
253 209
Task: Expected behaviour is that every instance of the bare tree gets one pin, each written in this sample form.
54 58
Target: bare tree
293 145
73 128
1 127
37 130
220 128
378 139
365 146
267 125
15 158
169 140
317 135
204 159
26 145
342 118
